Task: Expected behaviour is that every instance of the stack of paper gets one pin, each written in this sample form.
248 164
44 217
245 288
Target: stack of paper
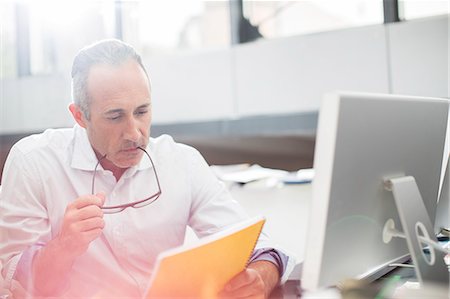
246 174
302 176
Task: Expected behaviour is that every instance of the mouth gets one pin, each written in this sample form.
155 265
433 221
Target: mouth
131 150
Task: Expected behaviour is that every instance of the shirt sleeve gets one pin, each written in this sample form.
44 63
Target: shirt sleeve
24 221
212 209
272 255
23 270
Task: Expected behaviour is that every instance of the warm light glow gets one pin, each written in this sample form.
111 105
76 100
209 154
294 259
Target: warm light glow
57 15
160 21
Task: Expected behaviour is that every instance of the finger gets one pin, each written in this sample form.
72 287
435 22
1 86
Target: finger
102 197
86 200
89 212
90 224
91 235
243 278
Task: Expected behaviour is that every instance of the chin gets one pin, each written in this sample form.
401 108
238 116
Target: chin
122 164
127 162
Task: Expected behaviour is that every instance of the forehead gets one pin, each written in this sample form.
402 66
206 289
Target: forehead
124 81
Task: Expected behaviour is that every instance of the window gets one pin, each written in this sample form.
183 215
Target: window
284 18
58 29
411 9
155 26
8 66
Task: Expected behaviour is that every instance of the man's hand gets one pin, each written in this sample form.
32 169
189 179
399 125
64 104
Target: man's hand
257 281
82 223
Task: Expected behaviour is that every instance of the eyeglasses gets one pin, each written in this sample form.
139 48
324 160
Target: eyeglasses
136 204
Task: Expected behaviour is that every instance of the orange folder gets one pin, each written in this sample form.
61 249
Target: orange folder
202 270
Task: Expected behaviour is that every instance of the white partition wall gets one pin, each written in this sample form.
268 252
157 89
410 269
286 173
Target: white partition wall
291 74
33 104
191 87
419 56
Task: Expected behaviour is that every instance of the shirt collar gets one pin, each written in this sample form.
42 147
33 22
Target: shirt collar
84 157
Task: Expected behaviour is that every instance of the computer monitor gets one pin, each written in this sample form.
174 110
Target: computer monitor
362 139
442 220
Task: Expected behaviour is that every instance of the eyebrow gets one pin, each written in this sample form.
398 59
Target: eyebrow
146 105
113 111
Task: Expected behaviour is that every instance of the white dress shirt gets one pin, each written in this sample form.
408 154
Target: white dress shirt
45 172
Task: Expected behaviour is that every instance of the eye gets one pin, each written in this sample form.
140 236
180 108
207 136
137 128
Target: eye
142 112
114 117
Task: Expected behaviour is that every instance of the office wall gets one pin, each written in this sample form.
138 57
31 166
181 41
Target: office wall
286 75
191 86
268 77
419 56
279 76
32 104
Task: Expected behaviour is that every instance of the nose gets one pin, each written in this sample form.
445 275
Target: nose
132 132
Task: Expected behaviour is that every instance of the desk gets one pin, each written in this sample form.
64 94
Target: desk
290 290
286 209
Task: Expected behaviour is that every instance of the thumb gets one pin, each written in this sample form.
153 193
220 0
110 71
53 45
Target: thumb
102 197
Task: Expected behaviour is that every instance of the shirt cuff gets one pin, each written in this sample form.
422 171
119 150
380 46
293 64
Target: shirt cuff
279 259
24 275
24 267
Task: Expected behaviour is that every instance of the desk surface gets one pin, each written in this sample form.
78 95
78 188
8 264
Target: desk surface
286 209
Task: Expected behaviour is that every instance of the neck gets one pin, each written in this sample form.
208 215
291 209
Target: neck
108 165
117 171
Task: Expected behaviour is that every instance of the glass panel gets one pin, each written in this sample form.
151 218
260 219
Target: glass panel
58 29
8 60
285 18
155 26
411 9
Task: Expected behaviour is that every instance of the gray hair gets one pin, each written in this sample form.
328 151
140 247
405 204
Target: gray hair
111 52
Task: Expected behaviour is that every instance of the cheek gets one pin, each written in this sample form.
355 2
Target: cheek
145 130
145 127
104 136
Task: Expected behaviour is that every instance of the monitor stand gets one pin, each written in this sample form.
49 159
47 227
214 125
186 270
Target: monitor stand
430 268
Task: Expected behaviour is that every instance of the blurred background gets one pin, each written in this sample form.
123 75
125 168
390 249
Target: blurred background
240 80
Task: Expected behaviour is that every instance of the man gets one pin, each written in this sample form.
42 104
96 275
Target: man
85 211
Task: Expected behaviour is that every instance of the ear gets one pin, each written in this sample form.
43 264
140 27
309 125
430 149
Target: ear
78 115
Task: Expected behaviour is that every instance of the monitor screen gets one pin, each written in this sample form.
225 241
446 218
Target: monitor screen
361 140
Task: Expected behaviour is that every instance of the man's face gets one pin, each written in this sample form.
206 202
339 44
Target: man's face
120 112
